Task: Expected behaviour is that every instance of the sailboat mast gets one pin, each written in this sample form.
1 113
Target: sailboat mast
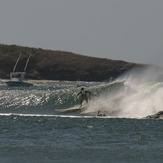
27 62
16 62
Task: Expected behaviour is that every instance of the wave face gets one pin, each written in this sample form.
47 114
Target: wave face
42 98
134 95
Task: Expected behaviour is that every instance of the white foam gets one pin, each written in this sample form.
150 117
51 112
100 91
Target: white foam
142 95
51 115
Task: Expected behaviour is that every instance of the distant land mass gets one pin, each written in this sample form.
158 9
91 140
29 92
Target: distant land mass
60 65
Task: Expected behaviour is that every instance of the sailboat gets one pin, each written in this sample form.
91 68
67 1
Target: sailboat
17 78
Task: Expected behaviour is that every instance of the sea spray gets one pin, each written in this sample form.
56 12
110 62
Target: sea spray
106 100
140 94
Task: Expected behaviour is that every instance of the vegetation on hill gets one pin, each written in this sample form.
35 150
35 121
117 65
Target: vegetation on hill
59 65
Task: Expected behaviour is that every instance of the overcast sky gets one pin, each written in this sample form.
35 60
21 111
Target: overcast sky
129 30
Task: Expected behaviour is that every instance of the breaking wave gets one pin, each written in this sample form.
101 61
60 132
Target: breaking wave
140 94
134 95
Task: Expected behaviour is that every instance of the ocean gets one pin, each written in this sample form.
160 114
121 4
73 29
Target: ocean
31 130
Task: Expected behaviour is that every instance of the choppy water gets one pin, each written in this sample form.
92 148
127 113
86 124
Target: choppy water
32 131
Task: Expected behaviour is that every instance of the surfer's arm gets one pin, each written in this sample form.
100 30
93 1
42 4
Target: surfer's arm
78 94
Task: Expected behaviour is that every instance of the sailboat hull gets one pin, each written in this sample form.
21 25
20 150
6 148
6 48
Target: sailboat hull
17 78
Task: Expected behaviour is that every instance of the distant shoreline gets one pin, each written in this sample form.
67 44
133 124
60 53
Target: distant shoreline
34 81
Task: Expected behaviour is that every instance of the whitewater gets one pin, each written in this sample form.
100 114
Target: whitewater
134 95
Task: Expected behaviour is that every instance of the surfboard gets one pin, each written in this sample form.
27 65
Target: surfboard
69 109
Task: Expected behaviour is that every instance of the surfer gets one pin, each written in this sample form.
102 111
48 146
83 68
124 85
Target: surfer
83 96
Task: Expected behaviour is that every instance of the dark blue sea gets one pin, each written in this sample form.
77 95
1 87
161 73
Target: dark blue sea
31 130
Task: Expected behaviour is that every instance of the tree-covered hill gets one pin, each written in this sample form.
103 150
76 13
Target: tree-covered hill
60 65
